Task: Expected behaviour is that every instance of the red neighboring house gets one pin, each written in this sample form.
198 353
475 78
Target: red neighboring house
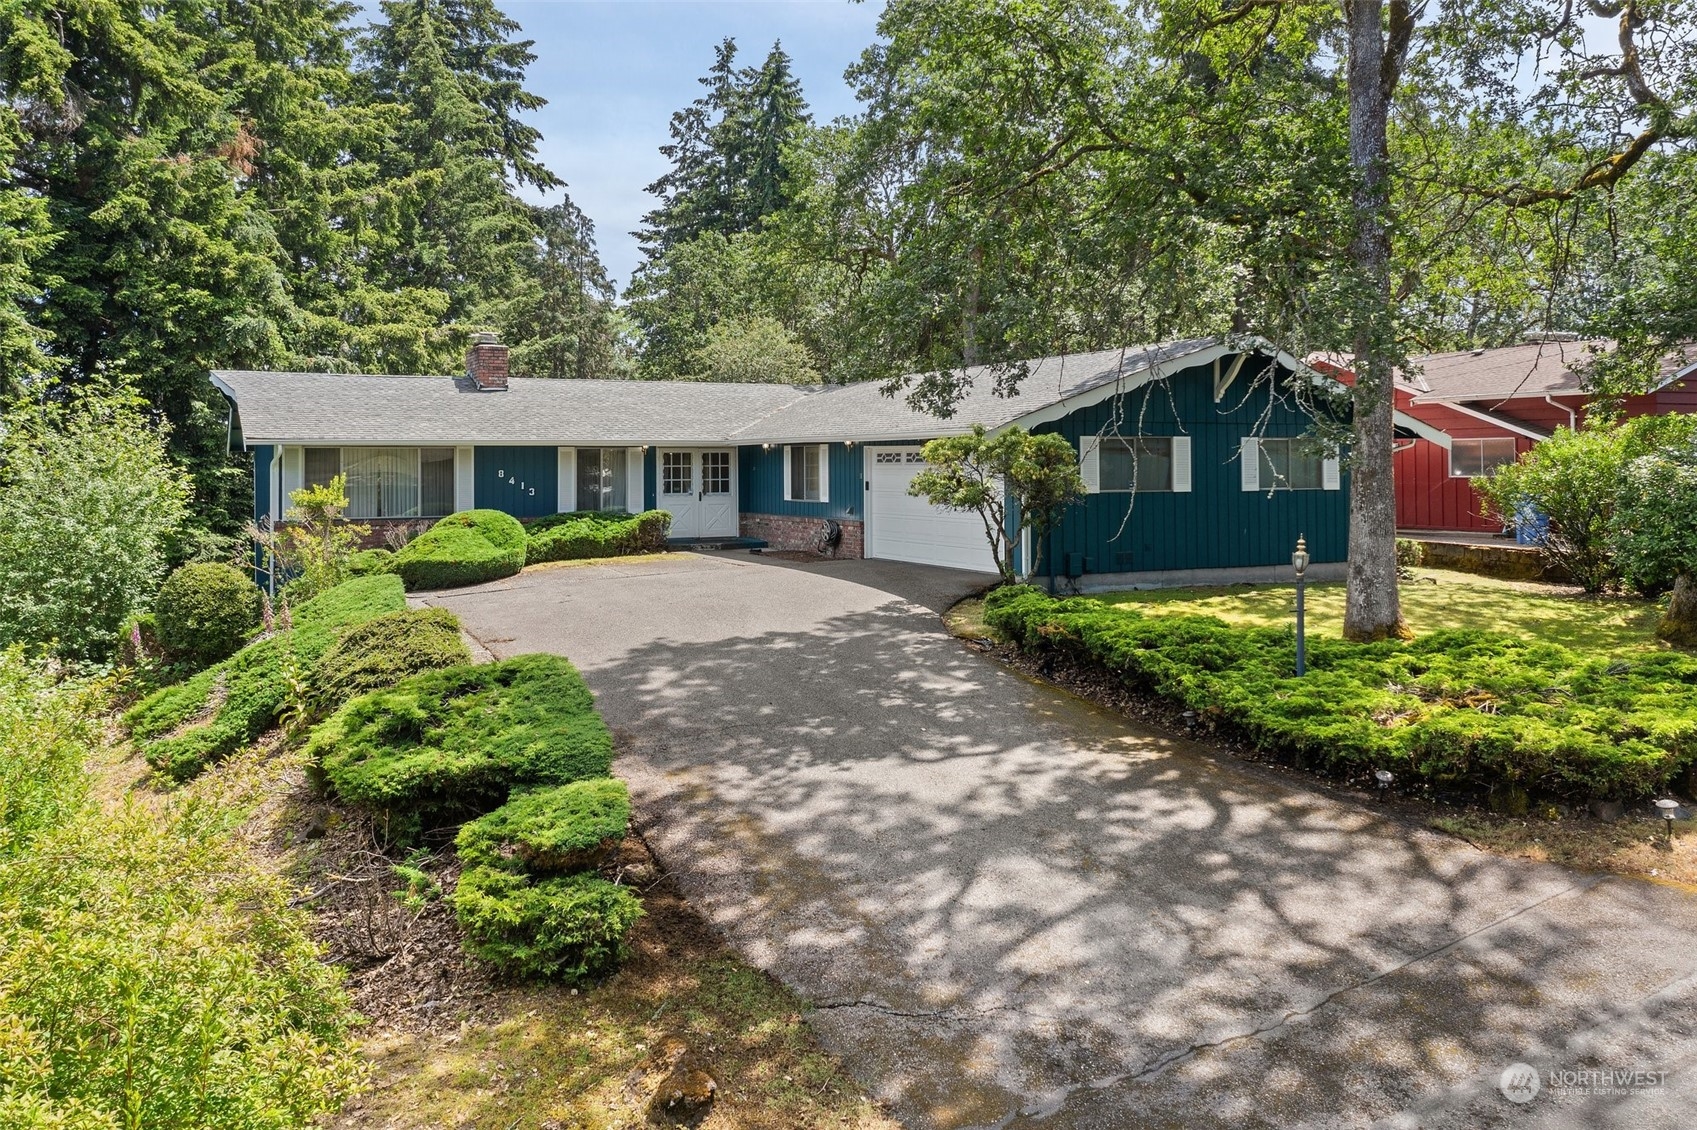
1491 405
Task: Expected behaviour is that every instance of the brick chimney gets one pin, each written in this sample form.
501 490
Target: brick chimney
486 362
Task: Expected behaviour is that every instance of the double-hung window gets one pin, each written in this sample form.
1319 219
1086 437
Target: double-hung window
1291 464
805 473
386 482
602 478
1143 464
1470 458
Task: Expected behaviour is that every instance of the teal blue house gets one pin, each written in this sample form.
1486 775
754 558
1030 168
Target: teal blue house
1197 456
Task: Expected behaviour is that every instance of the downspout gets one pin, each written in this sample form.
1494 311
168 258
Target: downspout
1572 416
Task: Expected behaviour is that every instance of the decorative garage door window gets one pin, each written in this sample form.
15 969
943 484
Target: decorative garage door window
387 482
601 478
716 472
677 472
901 457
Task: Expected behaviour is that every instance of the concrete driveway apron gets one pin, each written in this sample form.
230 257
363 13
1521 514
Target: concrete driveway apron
1009 908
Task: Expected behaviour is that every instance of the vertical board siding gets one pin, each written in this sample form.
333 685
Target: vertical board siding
262 456
650 478
761 487
1218 525
1428 497
521 481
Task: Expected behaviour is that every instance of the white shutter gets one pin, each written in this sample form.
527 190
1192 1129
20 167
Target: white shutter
1249 456
1090 463
635 488
1329 477
567 500
465 482
294 475
824 472
788 492
1181 464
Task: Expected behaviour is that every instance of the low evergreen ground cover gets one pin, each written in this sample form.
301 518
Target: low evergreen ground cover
383 651
1457 707
467 548
517 749
587 533
445 746
182 728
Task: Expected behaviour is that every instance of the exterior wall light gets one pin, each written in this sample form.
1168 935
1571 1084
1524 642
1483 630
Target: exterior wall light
1299 562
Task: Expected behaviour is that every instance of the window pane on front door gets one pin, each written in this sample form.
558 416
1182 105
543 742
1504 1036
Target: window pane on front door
676 472
716 472
589 478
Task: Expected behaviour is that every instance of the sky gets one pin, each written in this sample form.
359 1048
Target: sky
613 72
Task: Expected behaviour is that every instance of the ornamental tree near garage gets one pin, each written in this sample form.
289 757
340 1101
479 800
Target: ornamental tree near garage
983 473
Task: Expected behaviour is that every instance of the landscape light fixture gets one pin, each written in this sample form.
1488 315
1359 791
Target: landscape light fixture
1669 806
1190 719
1384 777
1299 562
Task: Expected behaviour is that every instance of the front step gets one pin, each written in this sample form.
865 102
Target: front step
716 543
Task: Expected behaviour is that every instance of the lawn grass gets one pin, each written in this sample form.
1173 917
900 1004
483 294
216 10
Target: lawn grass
1547 613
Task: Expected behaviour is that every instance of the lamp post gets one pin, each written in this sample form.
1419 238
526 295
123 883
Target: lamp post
1669 806
1383 777
1299 561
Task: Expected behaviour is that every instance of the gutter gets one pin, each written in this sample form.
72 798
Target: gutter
1572 416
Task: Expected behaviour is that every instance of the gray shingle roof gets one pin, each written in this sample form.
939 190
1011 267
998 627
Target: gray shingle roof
333 408
1533 369
342 408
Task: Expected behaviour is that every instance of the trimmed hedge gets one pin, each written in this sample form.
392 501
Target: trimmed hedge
588 533
204 612
1453 708
182 728
449 745
548 831
467 548
570 928
381 652
370 562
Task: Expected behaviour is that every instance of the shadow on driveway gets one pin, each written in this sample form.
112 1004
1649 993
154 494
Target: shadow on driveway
1011 908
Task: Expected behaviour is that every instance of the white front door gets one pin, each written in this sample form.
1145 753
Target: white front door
901 527
699 489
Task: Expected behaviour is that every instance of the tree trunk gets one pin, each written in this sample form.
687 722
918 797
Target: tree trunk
1373 609
1679 626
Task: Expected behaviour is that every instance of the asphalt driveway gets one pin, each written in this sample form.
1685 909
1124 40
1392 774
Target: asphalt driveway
1012 909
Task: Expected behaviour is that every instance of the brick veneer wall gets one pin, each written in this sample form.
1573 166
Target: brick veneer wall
785 532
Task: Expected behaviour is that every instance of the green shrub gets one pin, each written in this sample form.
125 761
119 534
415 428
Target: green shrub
47 728
568 928
1409 553
90 506
138 643
383 651
1463 708
182 728
588 533
550 830
447 745
154 974
204 612
467 548
370 562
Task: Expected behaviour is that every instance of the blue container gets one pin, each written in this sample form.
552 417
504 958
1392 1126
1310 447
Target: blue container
1531 525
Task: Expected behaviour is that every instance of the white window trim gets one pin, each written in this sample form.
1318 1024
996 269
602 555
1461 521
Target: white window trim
1331 477
824 450
1479 440
1090 465
294 476
566 472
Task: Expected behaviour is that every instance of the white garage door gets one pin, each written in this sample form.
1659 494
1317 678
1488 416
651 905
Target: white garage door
901 527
